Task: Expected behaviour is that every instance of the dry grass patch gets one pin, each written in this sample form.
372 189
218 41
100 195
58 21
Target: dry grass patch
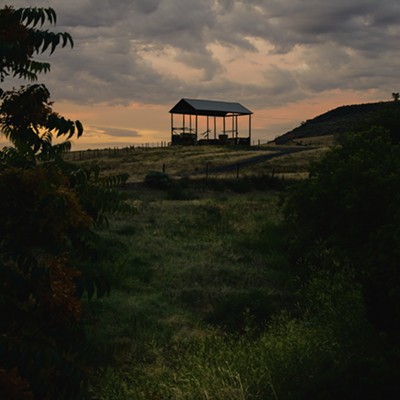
175 160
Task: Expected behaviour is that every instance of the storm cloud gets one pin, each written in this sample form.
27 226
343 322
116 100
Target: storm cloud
262 53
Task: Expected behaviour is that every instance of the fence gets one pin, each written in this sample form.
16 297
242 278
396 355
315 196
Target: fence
80 155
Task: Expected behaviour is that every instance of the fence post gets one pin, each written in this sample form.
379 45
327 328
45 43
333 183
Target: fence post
163 168
237 171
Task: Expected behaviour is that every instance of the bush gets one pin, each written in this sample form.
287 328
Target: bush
350 204
158 180
47 210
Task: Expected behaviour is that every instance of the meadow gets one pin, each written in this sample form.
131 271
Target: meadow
198 273
179 161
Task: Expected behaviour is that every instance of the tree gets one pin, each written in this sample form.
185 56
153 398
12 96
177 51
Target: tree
350 206
388 117
21 39
28 121
47 209
39 214
26 116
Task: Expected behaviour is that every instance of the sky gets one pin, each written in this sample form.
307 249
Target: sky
286 60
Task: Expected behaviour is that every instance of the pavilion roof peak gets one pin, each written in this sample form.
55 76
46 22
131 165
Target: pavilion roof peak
209 107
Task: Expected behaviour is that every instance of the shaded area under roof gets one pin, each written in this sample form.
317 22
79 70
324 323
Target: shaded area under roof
209 108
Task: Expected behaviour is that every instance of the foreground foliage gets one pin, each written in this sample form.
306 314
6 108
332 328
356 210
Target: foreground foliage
47 211
21 39
350 204
345 220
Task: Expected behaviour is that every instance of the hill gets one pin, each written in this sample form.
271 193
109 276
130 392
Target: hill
341 119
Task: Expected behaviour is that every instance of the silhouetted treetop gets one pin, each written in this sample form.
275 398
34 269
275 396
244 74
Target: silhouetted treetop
21 39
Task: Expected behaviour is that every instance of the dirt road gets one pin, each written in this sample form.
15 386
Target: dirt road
248 161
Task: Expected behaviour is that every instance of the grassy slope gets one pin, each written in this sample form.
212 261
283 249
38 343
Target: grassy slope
175 159
178 161
188 275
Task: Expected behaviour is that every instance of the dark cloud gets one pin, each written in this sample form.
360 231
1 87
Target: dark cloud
340 44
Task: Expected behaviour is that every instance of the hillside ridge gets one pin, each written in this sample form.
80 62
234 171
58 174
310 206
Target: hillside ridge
341 119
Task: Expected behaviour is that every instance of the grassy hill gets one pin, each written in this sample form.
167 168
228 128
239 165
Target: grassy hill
208 301
334 122
203 161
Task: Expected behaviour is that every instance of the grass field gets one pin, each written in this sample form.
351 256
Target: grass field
197 273
178 161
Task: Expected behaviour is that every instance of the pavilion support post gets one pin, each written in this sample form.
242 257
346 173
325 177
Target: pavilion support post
236 128
233 126
190 123
215 127
250 129
224 130
197 125
208 127
183 123
172 126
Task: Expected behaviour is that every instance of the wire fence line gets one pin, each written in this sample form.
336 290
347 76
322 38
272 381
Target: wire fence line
78 155
89 154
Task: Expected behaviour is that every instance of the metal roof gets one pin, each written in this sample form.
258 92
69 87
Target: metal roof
209 107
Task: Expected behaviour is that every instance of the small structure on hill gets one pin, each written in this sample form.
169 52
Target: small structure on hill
200 118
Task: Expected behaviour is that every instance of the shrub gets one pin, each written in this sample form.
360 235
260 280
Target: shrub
158 180
350 204
47 208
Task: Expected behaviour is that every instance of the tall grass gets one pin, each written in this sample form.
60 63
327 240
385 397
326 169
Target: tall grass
188 277
277 364
207 304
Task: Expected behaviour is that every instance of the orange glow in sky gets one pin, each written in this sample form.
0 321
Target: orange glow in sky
287 61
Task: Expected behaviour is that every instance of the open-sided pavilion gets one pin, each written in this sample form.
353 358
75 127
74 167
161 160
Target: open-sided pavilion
191 110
